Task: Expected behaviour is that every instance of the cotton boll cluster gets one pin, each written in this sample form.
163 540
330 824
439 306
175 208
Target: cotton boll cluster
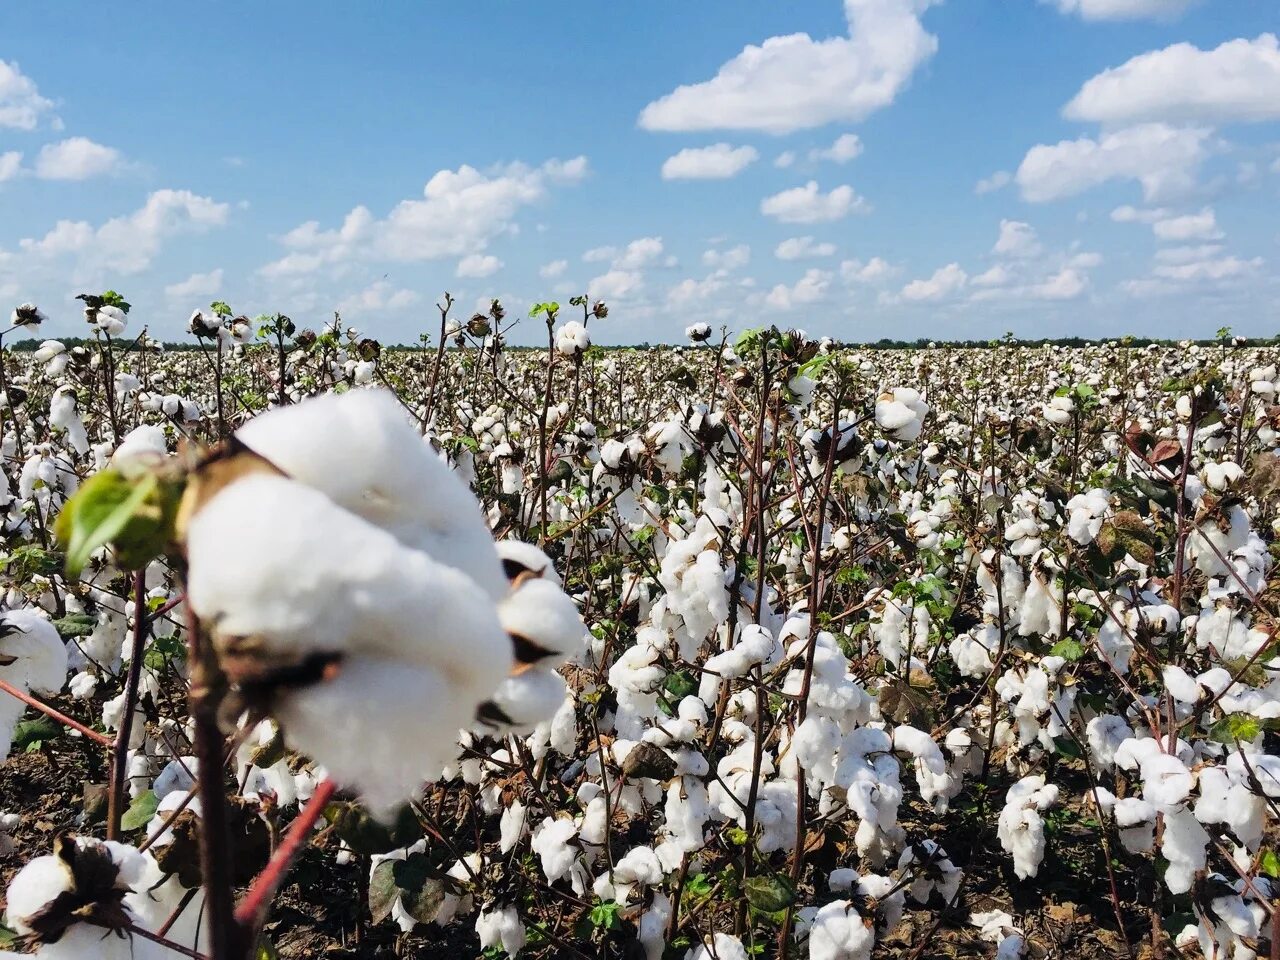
1021 829
900 413
33 658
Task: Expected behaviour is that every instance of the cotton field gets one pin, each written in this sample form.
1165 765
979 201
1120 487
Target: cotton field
763 646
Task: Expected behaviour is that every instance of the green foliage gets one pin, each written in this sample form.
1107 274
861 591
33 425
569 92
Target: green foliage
135 515
140 811
29 736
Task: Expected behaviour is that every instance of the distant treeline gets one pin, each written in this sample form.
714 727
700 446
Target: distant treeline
885 343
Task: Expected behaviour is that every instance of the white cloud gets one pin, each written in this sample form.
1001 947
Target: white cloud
997 181
616 285
803 248
553 269
874 270
1188 254
1210 270
459 213
720 161
997 276
729 259
808 204
794 82
1128 214
944 282
1192 226
1017 239
77 158
810 288
1162 158
639 253
1236 81
1067 284
10 165
378 296
477 265
599 254
847 147
691 291
197 285
1124 9
128 244
21 105
788 157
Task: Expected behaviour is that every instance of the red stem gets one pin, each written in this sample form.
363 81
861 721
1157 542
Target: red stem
253 907
62 718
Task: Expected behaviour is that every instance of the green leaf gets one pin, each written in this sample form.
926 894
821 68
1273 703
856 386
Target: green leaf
29 735
365 835
604 915
265 950
1069 650
101 512
1235 726
75 625
770 894
737 836
1270 864
140 811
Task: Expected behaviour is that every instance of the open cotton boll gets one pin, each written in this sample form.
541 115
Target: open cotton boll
900 413
34 659
543 623
1021 829
721 947
289 579
64 416
501 927
839 933
359 449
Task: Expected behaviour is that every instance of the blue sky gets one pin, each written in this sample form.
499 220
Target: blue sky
866 169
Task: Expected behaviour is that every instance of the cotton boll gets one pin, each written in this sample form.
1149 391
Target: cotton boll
501 927
512 826
551 845
900 413
39 665
721 947
839 933
1183 844
1135 821
544 621
1021 830
373 463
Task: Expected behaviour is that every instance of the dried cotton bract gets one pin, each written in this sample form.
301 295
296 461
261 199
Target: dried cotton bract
353 591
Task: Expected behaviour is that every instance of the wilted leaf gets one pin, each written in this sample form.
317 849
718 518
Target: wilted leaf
649 762
382 890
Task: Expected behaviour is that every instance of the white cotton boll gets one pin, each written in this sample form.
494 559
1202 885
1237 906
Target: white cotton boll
639 867
900 413
551 842
721 947
651 929
1166 781
595 821
572 339
1183 844
529 698
539 612
511 826
1021 829
34 887
373 463
178 775
39 665
838 933
64 416
1136 821
142 442
393 614
1180 684
501 927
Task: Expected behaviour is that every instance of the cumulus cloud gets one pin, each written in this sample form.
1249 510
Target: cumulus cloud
730 259
1236 81
76 158
377 297
803 248
1124 9
847 147
21 105
1162 158
10 165
1213 269
997 181
553 269
873 271
808 204
128 244
639 253
785 159
720 161
1017 239
616 285
1191 226
477 265
794 82
810 288
196 286
944 282
459 213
